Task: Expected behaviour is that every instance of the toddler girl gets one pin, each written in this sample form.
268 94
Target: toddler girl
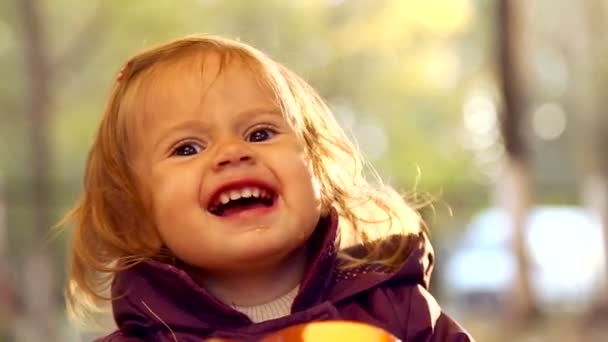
222 199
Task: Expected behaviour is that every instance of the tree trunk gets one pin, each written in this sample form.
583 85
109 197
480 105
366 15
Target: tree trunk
585 47
514 194
39 269
7 293
598 118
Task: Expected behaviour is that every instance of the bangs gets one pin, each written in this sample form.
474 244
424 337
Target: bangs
158 82
198 68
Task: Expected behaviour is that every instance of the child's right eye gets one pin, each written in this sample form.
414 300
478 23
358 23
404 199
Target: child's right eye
186 149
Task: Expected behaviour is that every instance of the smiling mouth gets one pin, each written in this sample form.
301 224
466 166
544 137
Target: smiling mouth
236 201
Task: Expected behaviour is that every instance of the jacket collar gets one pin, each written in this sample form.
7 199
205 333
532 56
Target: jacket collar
415 267
153 291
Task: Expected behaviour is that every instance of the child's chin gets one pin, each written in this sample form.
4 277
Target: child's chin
265 251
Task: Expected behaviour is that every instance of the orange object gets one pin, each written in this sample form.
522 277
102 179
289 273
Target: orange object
331 331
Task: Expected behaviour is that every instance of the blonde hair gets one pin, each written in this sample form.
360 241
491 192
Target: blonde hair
112 231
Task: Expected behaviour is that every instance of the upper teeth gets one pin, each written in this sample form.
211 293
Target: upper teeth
246 192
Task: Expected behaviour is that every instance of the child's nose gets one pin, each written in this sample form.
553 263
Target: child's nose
232 153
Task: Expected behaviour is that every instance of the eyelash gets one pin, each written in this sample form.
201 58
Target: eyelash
200 147
264 127
174 151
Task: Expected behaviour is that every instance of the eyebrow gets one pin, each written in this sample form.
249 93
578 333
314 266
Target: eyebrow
261 110
199 126
189 125
246 117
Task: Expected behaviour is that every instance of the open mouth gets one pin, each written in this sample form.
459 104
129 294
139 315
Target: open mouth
237 200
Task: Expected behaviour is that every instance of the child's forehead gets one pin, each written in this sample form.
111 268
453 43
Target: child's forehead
185 81
196 72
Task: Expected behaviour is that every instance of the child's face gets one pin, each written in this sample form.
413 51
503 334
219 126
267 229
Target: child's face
204 139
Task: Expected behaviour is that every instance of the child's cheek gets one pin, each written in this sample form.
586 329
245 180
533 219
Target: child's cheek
317 190
169 188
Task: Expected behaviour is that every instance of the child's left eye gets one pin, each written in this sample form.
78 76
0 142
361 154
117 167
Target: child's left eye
261 134
187 149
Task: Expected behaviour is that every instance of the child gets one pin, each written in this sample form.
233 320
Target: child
215 198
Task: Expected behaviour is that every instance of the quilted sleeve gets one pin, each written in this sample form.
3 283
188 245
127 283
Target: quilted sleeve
422 319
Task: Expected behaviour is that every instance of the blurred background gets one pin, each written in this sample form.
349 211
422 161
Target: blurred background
497 108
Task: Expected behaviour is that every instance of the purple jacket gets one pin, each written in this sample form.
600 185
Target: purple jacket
159 302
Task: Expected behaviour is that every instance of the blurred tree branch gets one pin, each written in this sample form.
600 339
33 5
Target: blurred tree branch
515 193
41 73
8 107
7 294
586 43
84 44
38 271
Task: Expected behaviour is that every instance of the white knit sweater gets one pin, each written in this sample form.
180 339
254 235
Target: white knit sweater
277 308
